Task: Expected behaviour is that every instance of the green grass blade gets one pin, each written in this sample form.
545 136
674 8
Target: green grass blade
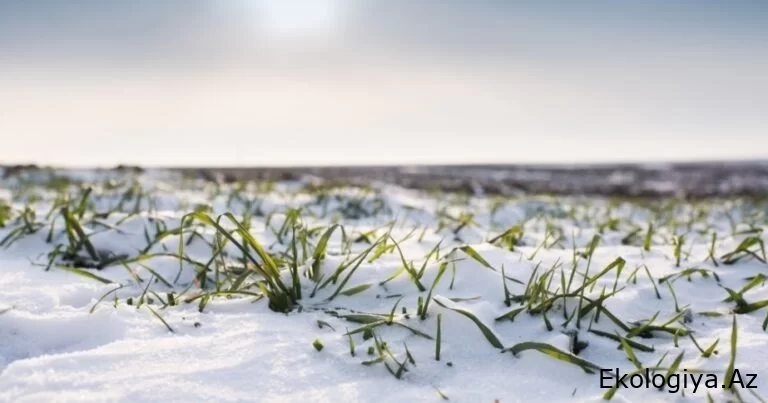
554 352
487 332
729 371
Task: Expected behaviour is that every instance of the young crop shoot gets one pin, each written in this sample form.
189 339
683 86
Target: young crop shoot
338 290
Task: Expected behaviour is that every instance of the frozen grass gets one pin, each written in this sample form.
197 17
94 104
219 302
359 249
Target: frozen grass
297 291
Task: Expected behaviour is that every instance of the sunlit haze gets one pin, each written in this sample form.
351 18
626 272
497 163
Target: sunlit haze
378 82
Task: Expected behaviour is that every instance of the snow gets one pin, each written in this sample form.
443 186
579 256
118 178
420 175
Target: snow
58 343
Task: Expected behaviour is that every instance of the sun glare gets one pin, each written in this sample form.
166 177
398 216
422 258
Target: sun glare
304 20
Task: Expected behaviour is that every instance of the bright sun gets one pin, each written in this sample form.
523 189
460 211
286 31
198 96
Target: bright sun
299 19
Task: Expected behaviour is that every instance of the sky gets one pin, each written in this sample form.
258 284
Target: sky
328 82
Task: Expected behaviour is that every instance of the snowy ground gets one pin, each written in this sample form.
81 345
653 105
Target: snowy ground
175 310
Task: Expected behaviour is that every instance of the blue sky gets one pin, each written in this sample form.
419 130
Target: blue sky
281 82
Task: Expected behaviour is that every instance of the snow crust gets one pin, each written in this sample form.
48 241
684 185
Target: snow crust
53 349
